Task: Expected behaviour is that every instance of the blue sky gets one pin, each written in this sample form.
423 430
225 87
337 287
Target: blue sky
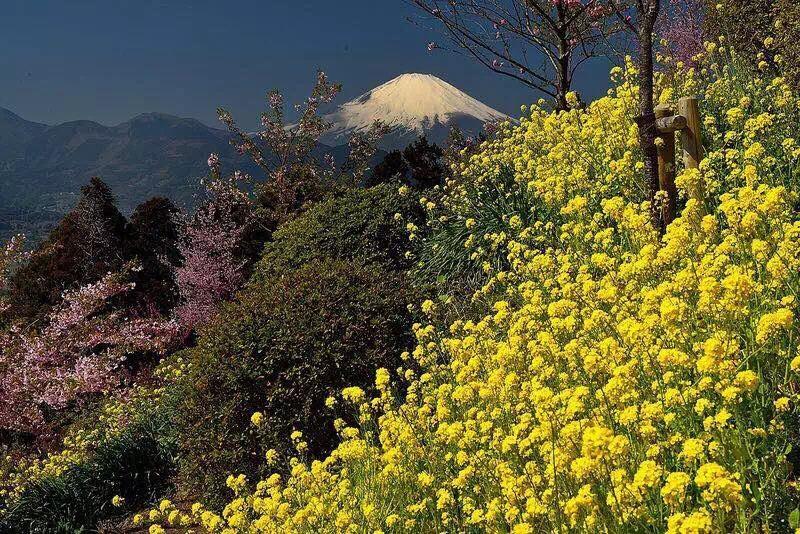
110 60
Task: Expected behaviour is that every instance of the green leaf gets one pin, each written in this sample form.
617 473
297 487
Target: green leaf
794 518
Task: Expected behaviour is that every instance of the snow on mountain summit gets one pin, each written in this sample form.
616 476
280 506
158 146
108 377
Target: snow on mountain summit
412 105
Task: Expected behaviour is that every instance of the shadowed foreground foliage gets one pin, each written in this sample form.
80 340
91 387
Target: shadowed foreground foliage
282 349
136 464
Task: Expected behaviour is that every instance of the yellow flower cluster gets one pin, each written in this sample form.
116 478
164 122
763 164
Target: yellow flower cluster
622 381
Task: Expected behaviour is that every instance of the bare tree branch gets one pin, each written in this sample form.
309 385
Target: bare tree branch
504 35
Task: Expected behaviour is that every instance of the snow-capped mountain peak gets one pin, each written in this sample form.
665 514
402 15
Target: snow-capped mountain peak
412 105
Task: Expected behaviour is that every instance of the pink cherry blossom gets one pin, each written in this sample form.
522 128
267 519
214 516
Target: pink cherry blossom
211 272
213 161
80 351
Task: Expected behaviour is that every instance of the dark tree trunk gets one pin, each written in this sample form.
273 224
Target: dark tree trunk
563 64
647 119
564 83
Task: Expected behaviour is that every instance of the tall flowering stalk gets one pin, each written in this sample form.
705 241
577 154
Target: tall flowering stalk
85 347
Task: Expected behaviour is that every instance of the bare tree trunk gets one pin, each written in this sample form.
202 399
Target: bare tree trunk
647 119
563 83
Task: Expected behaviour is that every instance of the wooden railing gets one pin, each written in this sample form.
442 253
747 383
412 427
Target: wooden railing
668 122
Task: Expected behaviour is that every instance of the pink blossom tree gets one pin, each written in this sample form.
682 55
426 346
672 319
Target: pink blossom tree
294 173
85 348
224 236
213 268
681 28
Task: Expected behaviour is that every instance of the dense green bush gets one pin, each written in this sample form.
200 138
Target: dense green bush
282 348
136 464
358 224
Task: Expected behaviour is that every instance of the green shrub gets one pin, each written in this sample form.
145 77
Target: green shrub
359 224
136 464
282 348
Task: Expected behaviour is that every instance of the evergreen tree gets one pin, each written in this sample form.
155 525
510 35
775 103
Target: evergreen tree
419 164
392 168
86 245
152 241
424 160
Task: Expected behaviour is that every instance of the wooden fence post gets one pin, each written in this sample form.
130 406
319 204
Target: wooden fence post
667 124
686 121
691 141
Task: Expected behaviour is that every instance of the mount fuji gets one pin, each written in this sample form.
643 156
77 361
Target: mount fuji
411 105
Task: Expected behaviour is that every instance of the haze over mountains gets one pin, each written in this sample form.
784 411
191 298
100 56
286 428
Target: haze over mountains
42 167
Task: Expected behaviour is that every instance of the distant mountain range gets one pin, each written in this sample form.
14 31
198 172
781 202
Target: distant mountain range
43 167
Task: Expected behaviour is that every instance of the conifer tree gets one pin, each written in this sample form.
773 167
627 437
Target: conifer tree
86 245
